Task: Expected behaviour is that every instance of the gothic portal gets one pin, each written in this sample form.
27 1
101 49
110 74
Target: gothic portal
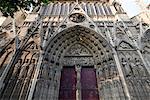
77 50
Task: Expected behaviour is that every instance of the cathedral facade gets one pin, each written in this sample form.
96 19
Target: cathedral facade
76 50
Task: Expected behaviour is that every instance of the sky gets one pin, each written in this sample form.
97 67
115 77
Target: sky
131 7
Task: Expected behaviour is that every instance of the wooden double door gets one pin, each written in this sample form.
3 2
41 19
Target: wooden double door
88 84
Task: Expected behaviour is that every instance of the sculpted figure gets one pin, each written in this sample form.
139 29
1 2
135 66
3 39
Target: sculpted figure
100 74
118 8
45 70
113 71
16 68
140 68
126 67
106 72
51 71
78 70
31 68
134 68
23 69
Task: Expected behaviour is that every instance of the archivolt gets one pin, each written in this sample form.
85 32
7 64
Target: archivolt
100 48
100 51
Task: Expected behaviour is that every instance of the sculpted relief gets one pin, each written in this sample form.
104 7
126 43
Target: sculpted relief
22 74
118 8
77 17
145 41
78 55
78 50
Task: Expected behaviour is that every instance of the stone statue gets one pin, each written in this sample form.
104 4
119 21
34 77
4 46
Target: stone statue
141 71
134 68
16 68
78 70
126 67
23 69
106 72
118 8
113 71
100 74
51 71
45 70
31 68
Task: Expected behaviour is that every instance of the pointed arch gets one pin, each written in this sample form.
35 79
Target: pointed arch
78 29
123 45
92 42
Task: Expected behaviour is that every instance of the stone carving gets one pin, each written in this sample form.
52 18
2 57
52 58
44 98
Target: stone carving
43 90
16 68
146 45
56 77
3 39
100 74
78 55
30 68
51 71
113 71
134 68
106 71
78 50
23 70
123 45
126 67
78 61
78 85
77 17
111 90
132 64
120 36
118 8
146 42
45 70
140 67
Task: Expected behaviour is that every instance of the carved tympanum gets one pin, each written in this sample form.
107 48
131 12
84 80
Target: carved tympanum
78 50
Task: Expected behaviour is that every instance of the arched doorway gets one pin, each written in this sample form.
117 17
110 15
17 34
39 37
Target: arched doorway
79 74
81 66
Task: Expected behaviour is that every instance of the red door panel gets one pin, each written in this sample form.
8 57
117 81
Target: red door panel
68 84
88 84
